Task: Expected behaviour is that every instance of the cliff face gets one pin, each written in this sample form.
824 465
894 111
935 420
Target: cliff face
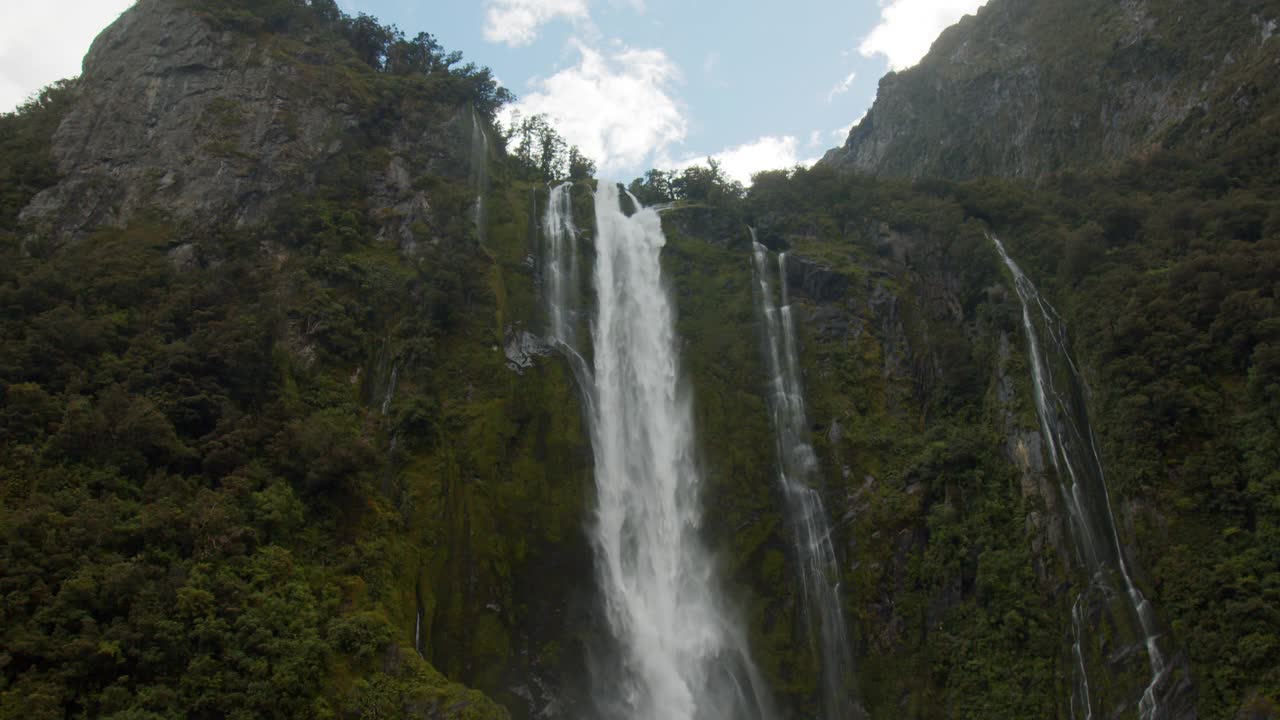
341 352
271 359
1025 89
935 496
173 113
180 113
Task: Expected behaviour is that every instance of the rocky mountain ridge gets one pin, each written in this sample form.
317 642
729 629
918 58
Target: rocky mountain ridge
1029 88
179 112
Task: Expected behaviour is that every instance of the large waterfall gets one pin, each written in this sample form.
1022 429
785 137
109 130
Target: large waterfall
1060 407
811 534
680 655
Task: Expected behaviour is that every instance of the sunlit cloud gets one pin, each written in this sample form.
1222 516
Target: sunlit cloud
908 27
516 22
619 108
771 152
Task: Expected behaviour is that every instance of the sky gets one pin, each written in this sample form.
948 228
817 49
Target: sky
757 84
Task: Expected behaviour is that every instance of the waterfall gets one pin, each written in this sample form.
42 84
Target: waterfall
388 396
811 534
1060 407
562 291
391 389
417 633
560 266
680 656
479 172
1081 694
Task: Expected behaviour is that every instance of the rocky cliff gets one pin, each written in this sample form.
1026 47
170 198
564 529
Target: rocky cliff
239 187
279 436
1026 89
181 111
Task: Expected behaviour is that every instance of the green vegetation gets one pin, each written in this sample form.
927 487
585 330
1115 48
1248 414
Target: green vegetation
241 467
25 163
179 487
539 153
383 48
215 500
694 184
1166 269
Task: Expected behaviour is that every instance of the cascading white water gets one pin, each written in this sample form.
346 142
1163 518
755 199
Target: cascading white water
391 389
681 658
679 648
1074 455
561 291
1081 694
479 172
560 266
811 534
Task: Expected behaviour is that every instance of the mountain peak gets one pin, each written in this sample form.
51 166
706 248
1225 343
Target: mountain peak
1027 88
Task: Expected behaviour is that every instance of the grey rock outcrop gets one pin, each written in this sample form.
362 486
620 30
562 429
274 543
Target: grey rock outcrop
173 113
1029 87
523 348
818 282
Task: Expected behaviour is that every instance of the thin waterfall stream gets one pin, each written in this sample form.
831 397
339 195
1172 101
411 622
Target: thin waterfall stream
681 655
797 471
1059 401
479 173
560 275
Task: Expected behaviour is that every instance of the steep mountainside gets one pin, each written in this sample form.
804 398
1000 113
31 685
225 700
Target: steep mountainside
1030 87
263 452
283 432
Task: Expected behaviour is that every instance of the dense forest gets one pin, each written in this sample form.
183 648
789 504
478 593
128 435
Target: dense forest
311 464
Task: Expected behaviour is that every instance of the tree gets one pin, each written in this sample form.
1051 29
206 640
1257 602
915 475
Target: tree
422 54
654 187
540 151
706 184
370 39
581 167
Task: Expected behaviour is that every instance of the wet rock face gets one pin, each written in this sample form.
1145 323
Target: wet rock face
523 349
173 113
816 281
712 224
1023 448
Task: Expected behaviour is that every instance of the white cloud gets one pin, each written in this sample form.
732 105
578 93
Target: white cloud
41 42
771 152
618 109
841 87
908 27
516 22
